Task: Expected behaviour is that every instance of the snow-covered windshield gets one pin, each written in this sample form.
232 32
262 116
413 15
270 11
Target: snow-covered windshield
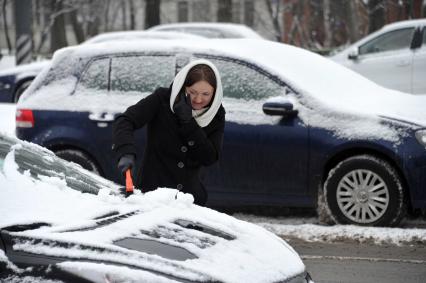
40 164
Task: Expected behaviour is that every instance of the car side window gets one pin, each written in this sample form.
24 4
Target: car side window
95 77
141 73
393 40
243 81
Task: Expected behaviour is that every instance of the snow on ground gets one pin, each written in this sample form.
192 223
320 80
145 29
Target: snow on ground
291 227
308 229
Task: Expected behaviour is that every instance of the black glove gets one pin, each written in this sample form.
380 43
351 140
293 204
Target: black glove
127 161
183 108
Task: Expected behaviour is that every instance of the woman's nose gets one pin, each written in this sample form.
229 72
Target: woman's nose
197 98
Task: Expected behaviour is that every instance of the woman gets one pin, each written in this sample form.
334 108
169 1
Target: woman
185 124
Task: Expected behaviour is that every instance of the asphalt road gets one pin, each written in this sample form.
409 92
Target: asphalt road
351 262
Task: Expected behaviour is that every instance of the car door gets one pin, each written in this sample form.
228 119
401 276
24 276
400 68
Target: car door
387 59
419 67
110 85
264 158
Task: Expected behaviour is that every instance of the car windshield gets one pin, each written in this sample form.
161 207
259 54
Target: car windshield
41 163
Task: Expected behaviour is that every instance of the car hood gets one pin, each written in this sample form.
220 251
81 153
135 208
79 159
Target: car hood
107 229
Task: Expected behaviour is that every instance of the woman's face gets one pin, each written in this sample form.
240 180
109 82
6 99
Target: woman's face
200 93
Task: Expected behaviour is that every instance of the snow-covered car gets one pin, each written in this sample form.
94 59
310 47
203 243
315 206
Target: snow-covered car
14 81
67 223
394 56
210 30
301 130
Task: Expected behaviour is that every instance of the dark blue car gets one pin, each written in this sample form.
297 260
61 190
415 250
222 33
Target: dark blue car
301 131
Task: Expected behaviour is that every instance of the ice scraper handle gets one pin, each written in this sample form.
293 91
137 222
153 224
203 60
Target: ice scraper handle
129 182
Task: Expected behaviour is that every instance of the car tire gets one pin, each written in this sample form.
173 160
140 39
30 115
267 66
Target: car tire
80 158
365 190
20 90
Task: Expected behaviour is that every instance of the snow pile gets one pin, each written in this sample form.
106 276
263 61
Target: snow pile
306 229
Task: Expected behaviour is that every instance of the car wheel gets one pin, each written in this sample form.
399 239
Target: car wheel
80 158
365 190
20 90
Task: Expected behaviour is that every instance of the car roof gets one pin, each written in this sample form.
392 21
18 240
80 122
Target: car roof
235 30
403 24
128 35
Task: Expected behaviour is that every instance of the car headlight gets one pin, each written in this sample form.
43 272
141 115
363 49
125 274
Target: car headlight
421 137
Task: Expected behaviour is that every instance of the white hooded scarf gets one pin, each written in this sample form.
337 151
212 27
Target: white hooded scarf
205 118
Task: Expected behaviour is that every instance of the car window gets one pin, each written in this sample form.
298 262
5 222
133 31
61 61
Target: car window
141 73
243 81
394 40
95 77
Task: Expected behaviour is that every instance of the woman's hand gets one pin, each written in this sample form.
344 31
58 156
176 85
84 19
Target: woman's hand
183 108
126 162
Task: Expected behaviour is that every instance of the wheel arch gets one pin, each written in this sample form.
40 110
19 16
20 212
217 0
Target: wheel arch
350 152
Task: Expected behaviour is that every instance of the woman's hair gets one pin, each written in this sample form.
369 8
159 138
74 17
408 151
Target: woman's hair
201 72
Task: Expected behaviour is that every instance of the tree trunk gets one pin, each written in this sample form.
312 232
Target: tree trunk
6 28
152 13
76 26
123 15
57 34
132 15
376 15
327 24
352 15
274 17
224 11
96 7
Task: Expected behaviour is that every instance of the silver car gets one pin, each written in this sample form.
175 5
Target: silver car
394 56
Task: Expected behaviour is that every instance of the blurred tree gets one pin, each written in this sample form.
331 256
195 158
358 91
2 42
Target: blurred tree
274 10
224 11
6 28
57 33
152 13
376 14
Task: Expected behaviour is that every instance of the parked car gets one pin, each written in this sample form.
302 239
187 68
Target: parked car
210 30
394 56
69 224
14 81
300 129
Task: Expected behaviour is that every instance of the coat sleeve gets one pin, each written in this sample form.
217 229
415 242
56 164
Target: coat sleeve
135 117
202 147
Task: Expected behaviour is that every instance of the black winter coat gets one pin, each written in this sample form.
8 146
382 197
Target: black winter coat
174 153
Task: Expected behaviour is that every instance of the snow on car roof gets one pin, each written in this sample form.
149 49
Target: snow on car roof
231 28
253 255
135 35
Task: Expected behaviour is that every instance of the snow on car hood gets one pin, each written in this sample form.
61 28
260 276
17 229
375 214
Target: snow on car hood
255 255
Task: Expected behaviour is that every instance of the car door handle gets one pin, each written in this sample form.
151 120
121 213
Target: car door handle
101 117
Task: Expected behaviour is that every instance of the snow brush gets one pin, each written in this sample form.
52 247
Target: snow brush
128 190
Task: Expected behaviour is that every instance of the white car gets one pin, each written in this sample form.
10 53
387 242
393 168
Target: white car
210 30
69 224
394 56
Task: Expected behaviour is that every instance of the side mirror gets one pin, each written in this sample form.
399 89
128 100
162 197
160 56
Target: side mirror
284 109
353 54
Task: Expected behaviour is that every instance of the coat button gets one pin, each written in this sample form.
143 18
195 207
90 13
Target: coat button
179 187
180 164
191 143
184 149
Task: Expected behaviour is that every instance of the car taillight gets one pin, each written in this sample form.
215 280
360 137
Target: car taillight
24 118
